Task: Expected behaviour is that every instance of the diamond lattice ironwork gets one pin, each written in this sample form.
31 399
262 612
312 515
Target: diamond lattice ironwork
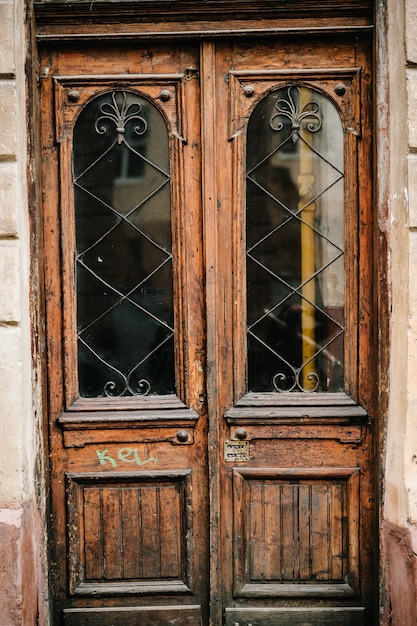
124 257
295 332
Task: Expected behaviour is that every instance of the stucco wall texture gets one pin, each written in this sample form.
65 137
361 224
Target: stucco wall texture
21 593
23 590
399 457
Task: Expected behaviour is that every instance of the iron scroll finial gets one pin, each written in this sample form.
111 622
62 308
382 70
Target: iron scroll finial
291 109
120 113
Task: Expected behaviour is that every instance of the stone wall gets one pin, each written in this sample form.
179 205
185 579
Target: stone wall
22 587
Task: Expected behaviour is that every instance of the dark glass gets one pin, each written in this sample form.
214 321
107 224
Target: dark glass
295 243
124 284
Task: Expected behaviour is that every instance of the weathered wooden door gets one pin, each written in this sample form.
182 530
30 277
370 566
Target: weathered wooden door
207 237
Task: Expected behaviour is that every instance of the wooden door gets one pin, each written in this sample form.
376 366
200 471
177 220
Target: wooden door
289 344
208 229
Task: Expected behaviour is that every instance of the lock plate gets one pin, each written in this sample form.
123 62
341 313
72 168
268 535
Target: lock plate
235 450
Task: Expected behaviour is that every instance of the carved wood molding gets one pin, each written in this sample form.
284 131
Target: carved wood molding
173 10
63 17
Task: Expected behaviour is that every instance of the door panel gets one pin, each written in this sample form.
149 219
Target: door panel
220 480
296 532
129 532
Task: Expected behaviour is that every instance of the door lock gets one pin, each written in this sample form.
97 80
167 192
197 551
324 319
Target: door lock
191 72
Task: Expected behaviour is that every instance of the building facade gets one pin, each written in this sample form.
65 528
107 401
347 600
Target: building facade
26 588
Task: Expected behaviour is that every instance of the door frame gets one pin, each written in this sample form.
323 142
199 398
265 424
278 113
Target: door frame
56 22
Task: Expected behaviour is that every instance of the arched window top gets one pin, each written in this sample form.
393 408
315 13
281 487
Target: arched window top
120 117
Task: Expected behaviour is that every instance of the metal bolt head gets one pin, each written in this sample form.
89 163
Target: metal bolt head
340 89
165 95
182 436
73 95
249 90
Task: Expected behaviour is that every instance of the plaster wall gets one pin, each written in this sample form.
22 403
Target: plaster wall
392 179
399 517
20 551
410 452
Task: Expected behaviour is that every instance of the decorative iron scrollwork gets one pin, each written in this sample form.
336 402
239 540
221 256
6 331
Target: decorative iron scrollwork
141 388
312 379
127 384
291 109
121 114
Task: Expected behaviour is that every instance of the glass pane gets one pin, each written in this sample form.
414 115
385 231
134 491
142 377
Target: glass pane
295 243
125 313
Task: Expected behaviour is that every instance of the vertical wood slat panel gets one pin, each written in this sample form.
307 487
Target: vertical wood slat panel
256 543
112 534
336 533
273 539
171 529
92 534
304 532
295 532
320 532
130 532
288 531
149 533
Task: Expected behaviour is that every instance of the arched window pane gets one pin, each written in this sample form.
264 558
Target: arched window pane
123 248
295 243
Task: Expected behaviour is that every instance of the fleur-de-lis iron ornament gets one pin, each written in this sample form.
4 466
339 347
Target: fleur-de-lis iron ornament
291 109
120 113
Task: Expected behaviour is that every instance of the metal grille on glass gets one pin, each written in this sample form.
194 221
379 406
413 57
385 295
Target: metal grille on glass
124 249
295 243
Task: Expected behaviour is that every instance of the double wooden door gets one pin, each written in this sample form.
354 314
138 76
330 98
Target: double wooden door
207 235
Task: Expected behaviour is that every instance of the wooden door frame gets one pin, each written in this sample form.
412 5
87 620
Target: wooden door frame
57 23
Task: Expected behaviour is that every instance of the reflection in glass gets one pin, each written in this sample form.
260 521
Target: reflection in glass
124 250
295 243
